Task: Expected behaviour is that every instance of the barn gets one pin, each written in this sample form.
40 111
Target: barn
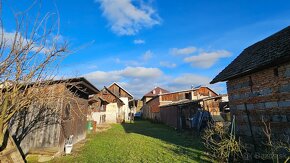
41 129
258 85
151 110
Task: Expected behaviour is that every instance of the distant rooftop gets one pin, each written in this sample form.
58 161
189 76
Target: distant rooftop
156 91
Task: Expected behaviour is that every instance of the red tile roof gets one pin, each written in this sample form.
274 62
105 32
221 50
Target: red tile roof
156 91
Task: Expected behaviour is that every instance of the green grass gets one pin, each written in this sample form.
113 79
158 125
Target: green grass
141 141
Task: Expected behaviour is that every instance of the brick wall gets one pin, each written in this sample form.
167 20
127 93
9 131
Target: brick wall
264 94
154 105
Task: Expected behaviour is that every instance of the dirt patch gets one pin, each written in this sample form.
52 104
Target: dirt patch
102 128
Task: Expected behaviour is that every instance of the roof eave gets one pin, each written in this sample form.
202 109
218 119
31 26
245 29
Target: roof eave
250 71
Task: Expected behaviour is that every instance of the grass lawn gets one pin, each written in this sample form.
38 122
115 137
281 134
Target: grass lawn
141 141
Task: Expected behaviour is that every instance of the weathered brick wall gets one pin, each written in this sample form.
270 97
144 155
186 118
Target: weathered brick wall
151 109
154 105
262 94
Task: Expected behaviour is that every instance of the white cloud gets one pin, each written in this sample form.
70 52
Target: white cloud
147 55
167 64
183 51
126 73
207 59
139 41
140 80
103 78
141 72
185 81
128 18
137 80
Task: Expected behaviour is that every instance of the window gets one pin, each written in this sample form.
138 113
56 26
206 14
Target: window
188 95
120 92
276 72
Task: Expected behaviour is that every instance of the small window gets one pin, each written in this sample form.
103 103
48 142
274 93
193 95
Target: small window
276 72
188 96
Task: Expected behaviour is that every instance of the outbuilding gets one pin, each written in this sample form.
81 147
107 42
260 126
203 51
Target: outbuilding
47 128
258 84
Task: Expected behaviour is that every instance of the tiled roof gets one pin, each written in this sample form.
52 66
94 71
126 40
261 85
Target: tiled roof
269 52
156 91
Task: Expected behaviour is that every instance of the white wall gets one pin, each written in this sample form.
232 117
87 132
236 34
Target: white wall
112 112
125 108
97 116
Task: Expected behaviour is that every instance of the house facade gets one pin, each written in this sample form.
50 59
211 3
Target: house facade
258 84
151 110
155 92
135 105
124 95
97 110
108 108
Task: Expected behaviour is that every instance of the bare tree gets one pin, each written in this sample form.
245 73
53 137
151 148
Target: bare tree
222 143
28 59
275 146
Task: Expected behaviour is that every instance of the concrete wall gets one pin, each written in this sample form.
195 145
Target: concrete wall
99 117
112 112
125 108
264 94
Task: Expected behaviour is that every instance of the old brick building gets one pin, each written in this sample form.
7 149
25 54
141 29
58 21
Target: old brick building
258 84
151 110
155 92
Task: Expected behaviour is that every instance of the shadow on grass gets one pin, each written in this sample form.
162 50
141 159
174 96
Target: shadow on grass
187 143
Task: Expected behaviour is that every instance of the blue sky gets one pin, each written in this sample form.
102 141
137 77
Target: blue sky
145 43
